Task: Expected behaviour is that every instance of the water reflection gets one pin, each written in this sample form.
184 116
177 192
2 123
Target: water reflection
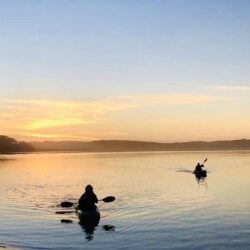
108 227
66 221
162 203
202 181
88 222
6 247
200 178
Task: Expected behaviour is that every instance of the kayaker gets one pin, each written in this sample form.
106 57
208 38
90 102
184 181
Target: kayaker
88 200
198 168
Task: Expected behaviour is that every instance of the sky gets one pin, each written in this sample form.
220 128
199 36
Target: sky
151 70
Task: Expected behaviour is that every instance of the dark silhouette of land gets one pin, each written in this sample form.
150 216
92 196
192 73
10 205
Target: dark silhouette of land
10 145
137 146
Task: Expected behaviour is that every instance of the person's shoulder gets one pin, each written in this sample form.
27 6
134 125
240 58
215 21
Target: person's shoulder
83 195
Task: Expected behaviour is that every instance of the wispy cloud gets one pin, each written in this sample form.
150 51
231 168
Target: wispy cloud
240 88
170 99
58 119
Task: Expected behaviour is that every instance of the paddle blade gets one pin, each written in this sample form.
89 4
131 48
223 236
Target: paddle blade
67 204
109 199
65 212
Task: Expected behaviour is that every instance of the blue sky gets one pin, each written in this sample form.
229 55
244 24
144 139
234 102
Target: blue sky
90 51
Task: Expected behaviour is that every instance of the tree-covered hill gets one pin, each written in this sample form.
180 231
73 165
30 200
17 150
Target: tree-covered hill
10 145
137 146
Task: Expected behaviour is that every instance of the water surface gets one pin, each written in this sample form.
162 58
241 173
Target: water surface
159 202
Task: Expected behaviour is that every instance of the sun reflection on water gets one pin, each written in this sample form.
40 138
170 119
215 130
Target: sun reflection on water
157 198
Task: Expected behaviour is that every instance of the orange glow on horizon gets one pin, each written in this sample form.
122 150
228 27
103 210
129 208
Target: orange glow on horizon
147 118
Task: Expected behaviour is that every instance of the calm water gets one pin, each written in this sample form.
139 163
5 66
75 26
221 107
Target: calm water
159 203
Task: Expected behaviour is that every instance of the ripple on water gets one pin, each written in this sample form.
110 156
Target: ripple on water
159 205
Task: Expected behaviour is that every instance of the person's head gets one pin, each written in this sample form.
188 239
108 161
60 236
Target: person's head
89 189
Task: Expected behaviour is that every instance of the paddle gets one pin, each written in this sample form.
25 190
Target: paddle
108 199
70 204
201 166
204 161
67 204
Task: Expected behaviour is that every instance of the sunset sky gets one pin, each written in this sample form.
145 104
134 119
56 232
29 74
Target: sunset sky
157 70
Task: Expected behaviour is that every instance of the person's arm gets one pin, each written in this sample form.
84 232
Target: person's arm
95 199
80 201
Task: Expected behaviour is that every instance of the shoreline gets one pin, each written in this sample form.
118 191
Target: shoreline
125 152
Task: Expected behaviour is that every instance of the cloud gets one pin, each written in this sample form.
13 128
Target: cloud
170 99
50 136
33 115
66 119
240 88
74 135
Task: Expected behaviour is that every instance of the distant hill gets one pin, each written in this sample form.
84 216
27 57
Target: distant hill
136 146
10 145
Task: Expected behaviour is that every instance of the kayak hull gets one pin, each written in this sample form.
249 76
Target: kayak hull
89 218
201 174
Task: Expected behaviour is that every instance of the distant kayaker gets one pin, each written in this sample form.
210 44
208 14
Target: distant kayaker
88 200
198 168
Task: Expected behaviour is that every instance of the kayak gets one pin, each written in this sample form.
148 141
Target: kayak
200 174
89 218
